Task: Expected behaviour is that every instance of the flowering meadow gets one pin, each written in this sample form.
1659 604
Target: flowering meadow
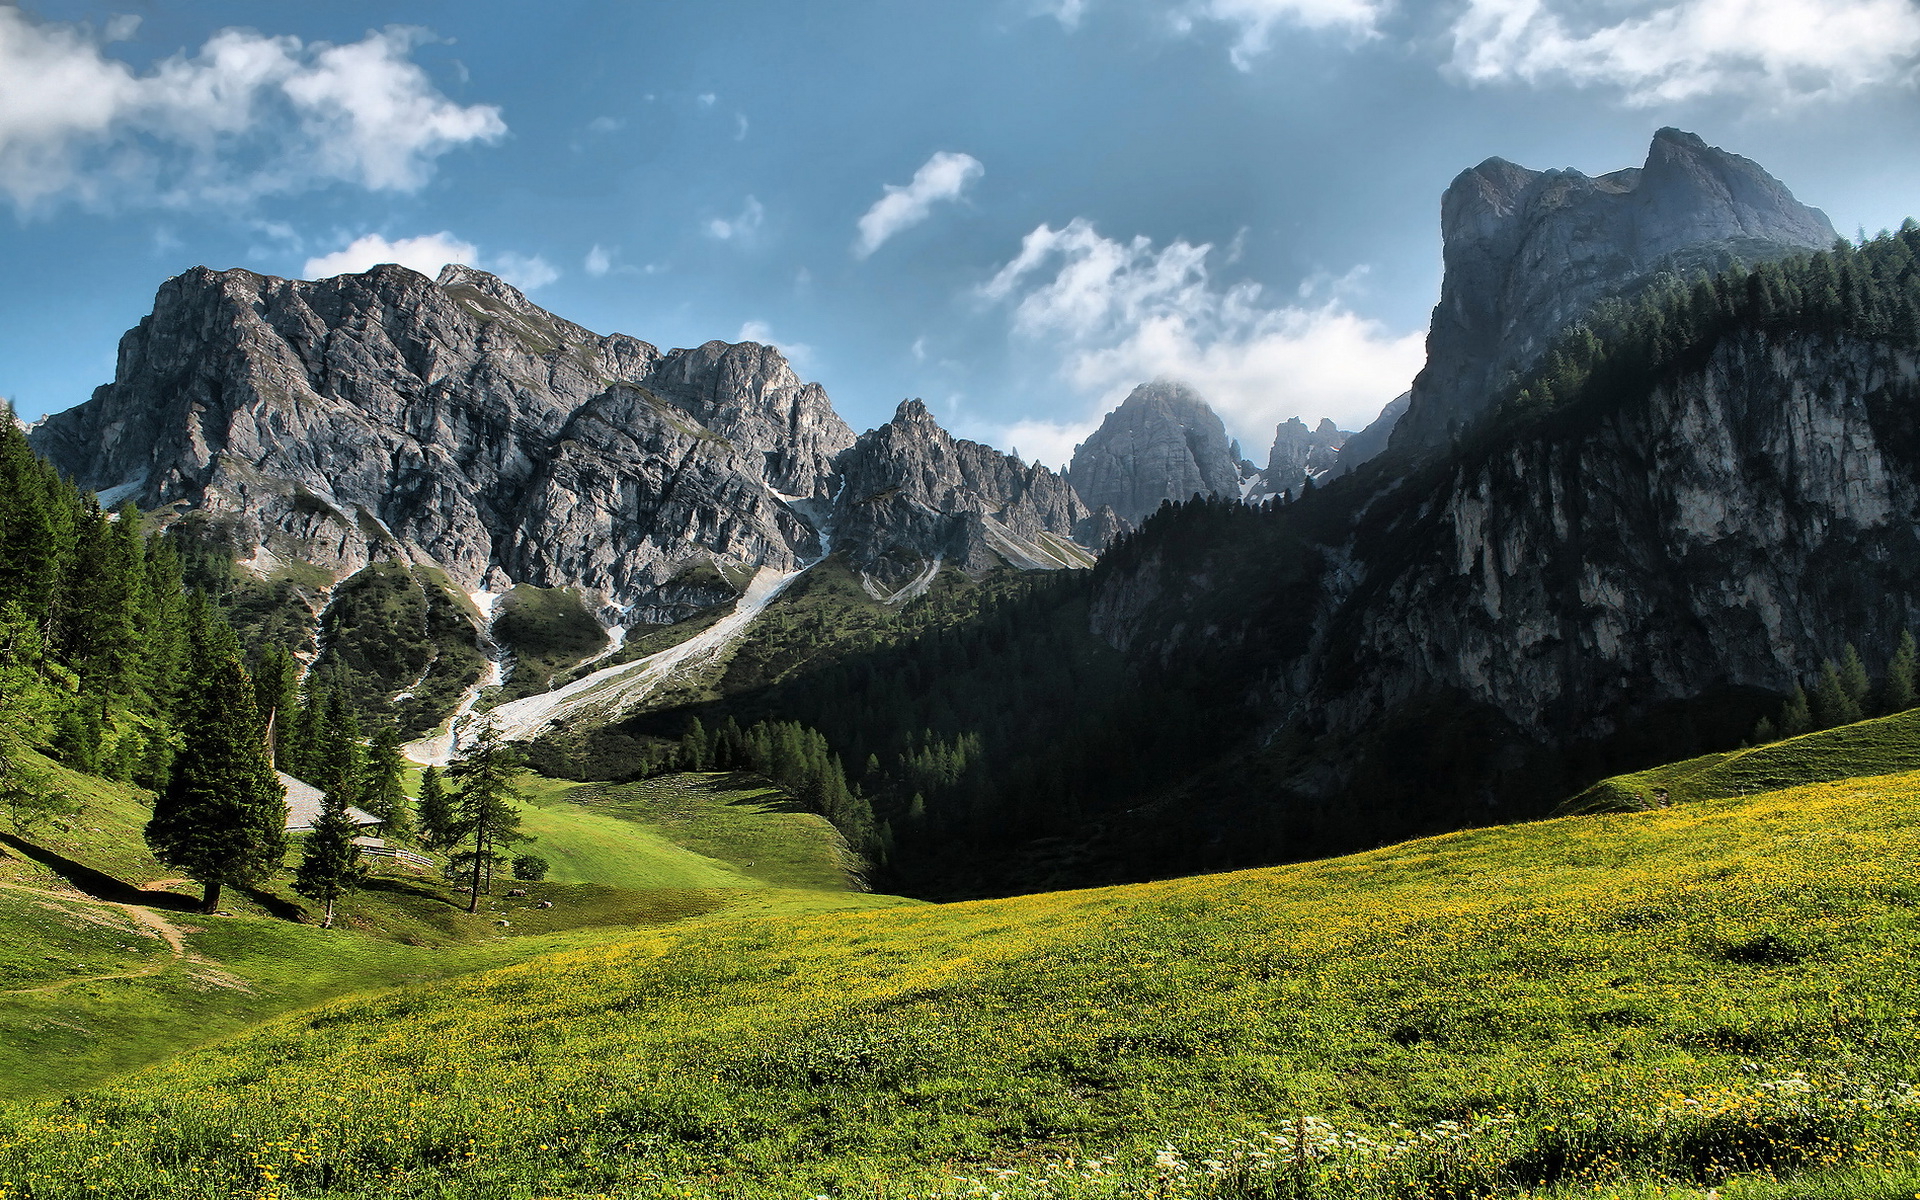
1713 1000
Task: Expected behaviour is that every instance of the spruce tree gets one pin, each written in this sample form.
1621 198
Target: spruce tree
439 824
1832 703
330 863
336 757
223 816
383 794
488 815
1854 680
1898 693
1796 716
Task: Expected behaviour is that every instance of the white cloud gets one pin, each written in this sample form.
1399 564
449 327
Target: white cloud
943 177
1663 51
798 353
1049 443
1255 20
248 115
1123 313
739 228
524 271
739 127
605 125
427 254
599 261
708 99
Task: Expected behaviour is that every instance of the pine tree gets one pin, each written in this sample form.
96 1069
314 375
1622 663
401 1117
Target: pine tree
384 795
330 863
1832 705
439 824
336 757
276 690
1854 680
1796 716
485 776
1898 693
223 816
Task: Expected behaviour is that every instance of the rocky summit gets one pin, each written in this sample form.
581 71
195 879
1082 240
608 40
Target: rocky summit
1162 443
1300 454
452 420
915 497
1527 252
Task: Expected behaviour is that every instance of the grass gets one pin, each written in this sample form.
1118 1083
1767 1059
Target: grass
1713 1000
90 986
548 631
1882 746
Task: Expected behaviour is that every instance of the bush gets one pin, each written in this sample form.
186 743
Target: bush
530 867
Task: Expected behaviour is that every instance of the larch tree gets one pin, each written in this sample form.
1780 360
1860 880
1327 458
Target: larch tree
489 815
223 816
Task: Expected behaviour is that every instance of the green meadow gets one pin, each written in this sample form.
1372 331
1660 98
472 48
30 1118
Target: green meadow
1707 1000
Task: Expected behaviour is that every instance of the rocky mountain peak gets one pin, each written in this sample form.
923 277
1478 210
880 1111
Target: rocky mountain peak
1528 252
453 421
913 497
1164 442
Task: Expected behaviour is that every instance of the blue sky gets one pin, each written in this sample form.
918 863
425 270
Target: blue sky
1015 209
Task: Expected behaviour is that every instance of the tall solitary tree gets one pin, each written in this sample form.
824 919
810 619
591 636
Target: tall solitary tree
330 863
439 824
223 816
488 813
383 794
1898 694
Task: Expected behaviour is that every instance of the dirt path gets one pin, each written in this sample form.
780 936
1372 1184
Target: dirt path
145 918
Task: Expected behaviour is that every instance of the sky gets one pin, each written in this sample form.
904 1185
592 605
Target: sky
1016 210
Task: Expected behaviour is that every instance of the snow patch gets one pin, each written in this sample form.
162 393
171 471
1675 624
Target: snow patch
112 497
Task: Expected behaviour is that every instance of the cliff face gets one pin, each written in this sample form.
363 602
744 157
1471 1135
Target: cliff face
1528 252
1727 531
1300 454
913 494
1162 443
452 420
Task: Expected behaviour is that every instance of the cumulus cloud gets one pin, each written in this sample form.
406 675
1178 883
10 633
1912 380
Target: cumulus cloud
943 177
739 228
1252 21
247 115
798 353
1126 312
599 261
1255 20
1658 52
427 254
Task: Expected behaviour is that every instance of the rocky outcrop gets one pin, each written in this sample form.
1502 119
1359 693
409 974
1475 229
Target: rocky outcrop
1300 454
1723 534
1528 252
1371 442
914 496
453 421
1162 443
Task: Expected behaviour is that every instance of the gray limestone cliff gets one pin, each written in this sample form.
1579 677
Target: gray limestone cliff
453 421
1162 443
914 497
1722 534
1528 252
1300 454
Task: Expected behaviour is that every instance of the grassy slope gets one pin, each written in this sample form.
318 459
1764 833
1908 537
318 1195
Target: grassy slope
89 988
1680 998
1882 746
